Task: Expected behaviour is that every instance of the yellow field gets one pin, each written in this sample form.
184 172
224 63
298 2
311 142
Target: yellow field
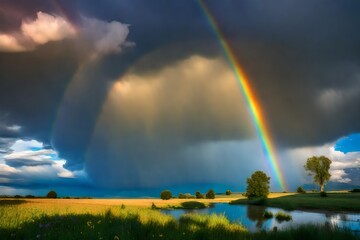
76 204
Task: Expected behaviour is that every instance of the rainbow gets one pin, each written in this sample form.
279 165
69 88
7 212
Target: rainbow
250 98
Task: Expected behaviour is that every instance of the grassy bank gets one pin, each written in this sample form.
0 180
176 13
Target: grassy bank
43 220
311 201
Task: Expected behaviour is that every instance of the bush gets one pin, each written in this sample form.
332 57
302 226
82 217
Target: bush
228 192
283 216
300 190
199 195
258 185
268 215
323 194
165 195
185 196
355 190
182 196
210 194
51 194
193 205
29 196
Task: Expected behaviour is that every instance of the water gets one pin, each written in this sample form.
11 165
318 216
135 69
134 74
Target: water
252 217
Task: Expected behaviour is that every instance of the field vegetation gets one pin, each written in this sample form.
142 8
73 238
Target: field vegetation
98 219
310 201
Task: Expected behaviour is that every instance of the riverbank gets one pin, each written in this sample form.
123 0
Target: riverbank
348 202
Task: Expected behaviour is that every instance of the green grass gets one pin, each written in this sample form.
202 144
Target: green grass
310 201
39 220
283 216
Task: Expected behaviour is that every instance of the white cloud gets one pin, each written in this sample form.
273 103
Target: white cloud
340 160
101 36
106 37
47 28
9 43
26 164
25 145
6 170
14 128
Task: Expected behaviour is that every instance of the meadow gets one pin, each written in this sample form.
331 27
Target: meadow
343 201
113 219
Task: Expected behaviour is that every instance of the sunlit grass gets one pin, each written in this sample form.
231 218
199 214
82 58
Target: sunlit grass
333 202
64 219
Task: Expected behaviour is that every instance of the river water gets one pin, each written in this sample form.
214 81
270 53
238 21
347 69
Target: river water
252 218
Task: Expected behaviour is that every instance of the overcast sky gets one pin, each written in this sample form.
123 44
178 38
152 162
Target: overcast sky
111 98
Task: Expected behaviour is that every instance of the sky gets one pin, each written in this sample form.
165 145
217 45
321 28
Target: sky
127 98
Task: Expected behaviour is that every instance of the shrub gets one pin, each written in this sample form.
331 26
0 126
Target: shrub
210 194
300 190
185 195
199 195
228 192
323 194
355 190
18 196
268 215
29 196
51 194
165 195
193 205
283 216
182 196
258 185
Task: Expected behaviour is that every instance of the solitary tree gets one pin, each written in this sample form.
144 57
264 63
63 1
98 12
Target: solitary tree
228 192
165 195
258 185
210 194
51 194
319 168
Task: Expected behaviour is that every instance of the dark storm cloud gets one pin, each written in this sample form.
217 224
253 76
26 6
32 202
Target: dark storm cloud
302 59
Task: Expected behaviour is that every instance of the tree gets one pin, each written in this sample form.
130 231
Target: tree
51 194
258 185
319 168
165 195
210 194
300 189
228 192
199 195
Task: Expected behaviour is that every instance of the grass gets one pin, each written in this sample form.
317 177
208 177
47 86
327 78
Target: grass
283 216
310 201
60 220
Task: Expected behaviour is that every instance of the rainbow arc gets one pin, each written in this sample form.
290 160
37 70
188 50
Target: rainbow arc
250 98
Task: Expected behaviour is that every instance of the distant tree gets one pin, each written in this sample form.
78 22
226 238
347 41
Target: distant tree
210 194
258 185
199 195
300 190
165 195
318 167
51 194
228 192
29 196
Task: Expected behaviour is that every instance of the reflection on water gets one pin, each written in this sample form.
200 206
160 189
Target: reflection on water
256 214
252 217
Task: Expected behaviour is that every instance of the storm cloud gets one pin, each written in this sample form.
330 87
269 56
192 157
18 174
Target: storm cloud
123 89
